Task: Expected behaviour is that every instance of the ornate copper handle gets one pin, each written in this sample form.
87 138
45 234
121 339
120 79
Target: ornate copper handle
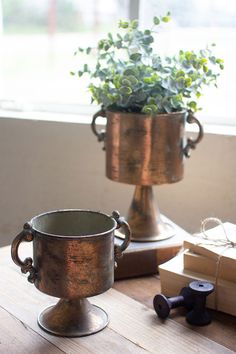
26 265
191 143
121 223
102 134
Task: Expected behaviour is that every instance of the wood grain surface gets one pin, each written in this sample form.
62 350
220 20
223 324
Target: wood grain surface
133 328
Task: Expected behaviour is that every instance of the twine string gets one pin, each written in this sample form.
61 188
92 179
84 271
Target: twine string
216 241
220 242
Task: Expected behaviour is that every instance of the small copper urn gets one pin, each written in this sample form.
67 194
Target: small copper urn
146 150
73 258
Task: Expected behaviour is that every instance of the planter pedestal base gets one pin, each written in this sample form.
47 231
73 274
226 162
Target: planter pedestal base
145 219
143 258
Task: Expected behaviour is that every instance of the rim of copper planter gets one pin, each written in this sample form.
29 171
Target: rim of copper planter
147 115
70 237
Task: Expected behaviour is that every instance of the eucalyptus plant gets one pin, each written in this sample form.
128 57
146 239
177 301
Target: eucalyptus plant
130 76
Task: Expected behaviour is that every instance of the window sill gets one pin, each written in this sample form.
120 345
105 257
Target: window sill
87 118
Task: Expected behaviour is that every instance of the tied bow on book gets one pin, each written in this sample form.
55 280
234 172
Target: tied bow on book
215 241
209 256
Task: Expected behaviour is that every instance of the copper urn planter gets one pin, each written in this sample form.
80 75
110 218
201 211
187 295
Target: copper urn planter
145 150
73 258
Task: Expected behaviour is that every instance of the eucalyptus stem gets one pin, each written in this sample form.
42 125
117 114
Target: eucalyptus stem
134 78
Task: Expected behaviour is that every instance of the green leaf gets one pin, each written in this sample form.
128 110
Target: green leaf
198 94
125 82
132 79
147 40
176 101
103 56
88 50
106 46
180 73
110 36
188 82
125 90
146 110
118 44
147 80
123 24
167 106
193 105
181 82
140 96
189 55
150 109
116 81
165 19
156 20
134 24
109 95
194 76
135 56
203 61
126 37
212 59
153 107
151 100
131 71
101 44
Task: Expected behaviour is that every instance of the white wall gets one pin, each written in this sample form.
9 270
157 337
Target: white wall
51 165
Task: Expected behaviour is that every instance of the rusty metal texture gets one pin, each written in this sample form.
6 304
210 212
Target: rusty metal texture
145 219
146 150
73 258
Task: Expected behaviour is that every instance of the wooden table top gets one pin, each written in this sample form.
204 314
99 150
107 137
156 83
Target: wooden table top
133 327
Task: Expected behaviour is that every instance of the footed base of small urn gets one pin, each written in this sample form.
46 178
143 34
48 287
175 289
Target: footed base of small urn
73 318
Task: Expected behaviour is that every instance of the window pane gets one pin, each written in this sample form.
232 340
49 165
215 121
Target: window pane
194 24
38 40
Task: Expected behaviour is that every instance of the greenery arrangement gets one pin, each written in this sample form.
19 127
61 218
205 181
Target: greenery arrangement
129 76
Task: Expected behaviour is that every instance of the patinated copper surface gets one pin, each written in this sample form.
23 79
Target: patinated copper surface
73 258
146 150
70 317
144 217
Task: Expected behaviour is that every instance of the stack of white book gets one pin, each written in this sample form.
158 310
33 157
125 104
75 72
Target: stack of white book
204 260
